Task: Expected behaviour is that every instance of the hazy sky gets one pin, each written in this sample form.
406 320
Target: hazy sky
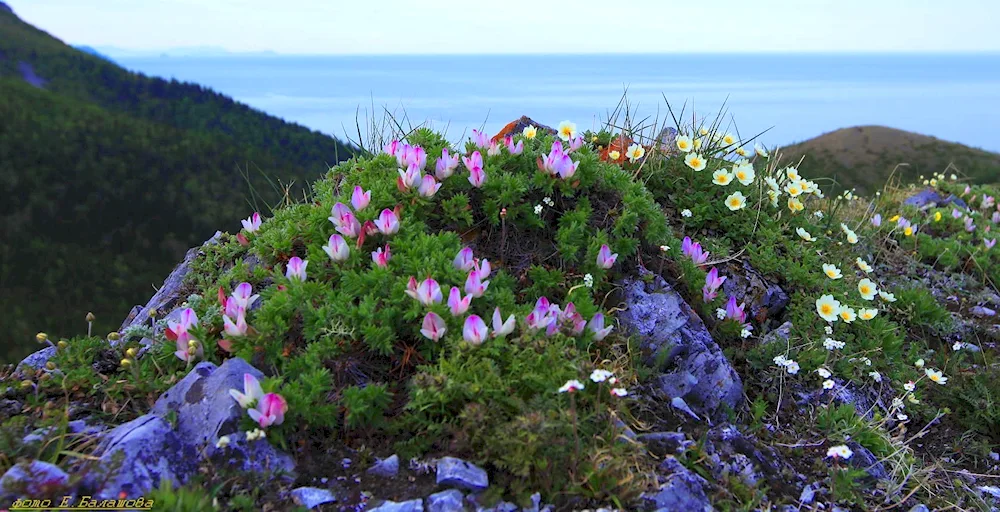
519 26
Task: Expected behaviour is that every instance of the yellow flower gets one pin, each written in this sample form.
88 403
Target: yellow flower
908 231
793 174
863 265
736 201
828 308
832 271
684 143
614 155
794 188
847 314
805 235
695 161
867 289
795 205
567 130
867 314
744 173
728 139
722 177
529 132
741 152
937 216
703 131
635 152
894 218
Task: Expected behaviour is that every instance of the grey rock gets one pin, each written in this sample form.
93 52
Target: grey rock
779 335
257 456
982 311
626 434
405 506
667 140
675 341
446 501
459 473
35 479
9 408
864 459
683 490
170 293
204 409
733 452
135 456
388 467
503 506
81 427
312 497
38 359
37 435
536 501
925 198
666 443
808 495
763 298
920 508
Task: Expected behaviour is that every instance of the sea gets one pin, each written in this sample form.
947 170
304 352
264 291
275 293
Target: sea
783 98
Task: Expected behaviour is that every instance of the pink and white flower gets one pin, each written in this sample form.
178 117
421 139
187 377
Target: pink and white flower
337 248
428 186
446 165
502 328
712 284
474 331
480 138
457 304
596 326
427 292
252 223
464 260
380 257
360 198
474 285
409 178
251 392
270 410
514 149
433 327
693 250
605 259
387 222
296 268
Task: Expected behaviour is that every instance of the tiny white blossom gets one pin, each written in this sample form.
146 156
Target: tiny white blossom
664 248
745 333
792 367
875 375
839 452
222 442
619 392
588 281
780 360
828 384
868 362
902 417
600 375
548 201
538 209
832 344
897 403
828 330
818 214
685 213
720 314
823 372
919 363
571 386
957 346
910 386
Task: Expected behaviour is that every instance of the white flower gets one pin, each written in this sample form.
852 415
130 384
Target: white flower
635 152
828 330
919 363
600 375
818 214
957 346
832 271
910 386
538 209
868 362
571 386
619 392
255 434
736 201
805 235
828 384
863 265
902 417
761 151
222 442
780 360
664 248
839 452
886 296
876 376
867 289
792 367
745 333
832 344
685 213
695 161
567 130
720 314
823 372
897 403
548 200
828 308
936 376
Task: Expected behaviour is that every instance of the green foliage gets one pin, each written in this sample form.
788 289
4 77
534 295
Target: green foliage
365 406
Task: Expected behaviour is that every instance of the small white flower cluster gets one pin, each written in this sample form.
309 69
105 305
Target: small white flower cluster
791 366
538 209
548 201
832 344
255 434
588 281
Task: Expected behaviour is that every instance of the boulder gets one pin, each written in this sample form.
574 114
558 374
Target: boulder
34 480
312 497
446 501
673 339
518 125
682 490
404 506
764 299
456 472
136 456
387 467
864 459
930 198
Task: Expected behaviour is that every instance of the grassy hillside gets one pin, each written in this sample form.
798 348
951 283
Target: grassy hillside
110 176
864 156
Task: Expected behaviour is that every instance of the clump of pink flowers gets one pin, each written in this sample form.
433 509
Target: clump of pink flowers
265 409
557 162
234 309
712 284
694 251
179 332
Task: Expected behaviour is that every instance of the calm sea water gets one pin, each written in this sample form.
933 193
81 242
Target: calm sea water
953 97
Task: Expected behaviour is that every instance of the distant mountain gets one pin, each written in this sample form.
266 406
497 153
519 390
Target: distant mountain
91 50
864 157
183 51
108 176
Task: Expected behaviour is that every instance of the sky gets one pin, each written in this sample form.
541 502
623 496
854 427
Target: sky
522 26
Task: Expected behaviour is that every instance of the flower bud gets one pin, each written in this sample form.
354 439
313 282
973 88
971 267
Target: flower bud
44 377
63 344
192 351
90 317
130 353
193 344
41 337
114 336
26 383
50 366
152 313
126 362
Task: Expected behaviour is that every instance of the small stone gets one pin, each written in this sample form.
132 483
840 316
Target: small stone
33 479
312 497
459 473
982 311
920 508
536 501
388 467
445 501
808 495
405 506
666 443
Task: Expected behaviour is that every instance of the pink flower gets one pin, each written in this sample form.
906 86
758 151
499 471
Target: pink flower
178 331
596 326
494 149
988 201
433 327
360 198
475 161
989 243
474 331
243 295
251 223
474 285
483 267
477 177
251 392
502 328
480 138
456 303
969 226
995 218
410 177
380 257
605 259
735 312
427 292
411 156
464 260
296 268
345 221
542 316
337 248
575 144
575 321
446 165
877 220
235 328
392 148
712 284
564 166
512 148
270 410
387 222
428 186
693 250
955 213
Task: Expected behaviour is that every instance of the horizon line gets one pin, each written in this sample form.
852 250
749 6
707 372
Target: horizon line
221 52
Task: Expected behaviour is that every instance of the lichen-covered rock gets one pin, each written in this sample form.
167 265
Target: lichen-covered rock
387 467
670 333
929 198
312 497
38 359
456 472
681 490
204 409
135 456
666 443
764 299
404 506
257 456
864 459
518 125
446 501
35 480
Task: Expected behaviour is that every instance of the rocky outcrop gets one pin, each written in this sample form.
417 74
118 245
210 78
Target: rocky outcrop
675 341
35 479
929 198
764 299
680 490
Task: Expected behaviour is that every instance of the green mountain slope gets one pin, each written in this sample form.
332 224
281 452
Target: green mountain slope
109 176
864 157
